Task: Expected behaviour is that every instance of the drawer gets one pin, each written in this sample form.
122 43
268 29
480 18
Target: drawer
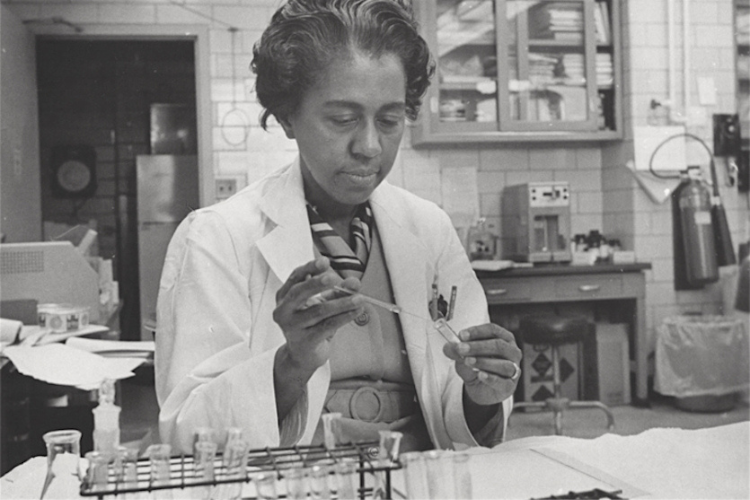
583 287
500 291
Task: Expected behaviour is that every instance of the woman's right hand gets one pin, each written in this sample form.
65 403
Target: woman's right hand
309 326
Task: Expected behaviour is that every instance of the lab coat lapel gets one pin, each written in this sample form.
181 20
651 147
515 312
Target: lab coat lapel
406 266
405 257
289 244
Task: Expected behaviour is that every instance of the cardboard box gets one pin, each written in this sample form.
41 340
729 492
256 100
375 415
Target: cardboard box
607 365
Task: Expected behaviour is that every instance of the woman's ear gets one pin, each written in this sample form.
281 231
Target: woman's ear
287 126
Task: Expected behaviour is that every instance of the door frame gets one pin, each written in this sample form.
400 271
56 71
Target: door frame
156 32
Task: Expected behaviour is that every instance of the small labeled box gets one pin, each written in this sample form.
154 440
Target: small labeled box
537 374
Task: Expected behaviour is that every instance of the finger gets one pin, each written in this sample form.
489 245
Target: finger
327 327
469 375
301 273
349 286
318 313
500 367
300 295
494 348
486 332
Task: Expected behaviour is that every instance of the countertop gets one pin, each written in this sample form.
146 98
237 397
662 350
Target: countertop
563 269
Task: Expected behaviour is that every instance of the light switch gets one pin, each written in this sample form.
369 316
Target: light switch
706 91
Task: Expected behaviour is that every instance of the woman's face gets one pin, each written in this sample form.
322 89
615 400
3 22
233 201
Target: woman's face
348 128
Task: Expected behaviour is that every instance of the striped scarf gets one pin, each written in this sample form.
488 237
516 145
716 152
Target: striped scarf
344 260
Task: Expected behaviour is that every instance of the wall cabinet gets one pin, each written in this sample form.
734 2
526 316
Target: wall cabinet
521 70
742 39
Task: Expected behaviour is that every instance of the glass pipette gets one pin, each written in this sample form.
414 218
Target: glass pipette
440 325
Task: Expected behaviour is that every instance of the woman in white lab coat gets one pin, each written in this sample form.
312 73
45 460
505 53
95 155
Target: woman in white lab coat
251 333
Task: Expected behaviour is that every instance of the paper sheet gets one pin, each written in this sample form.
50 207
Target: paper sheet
137 348
658 189
64 365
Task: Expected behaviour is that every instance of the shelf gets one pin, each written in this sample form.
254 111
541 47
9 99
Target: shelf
565 44
552 64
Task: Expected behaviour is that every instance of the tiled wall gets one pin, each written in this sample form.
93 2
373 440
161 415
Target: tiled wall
628 209
605 195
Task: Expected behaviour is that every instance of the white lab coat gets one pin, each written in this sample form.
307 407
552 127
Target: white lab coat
216 338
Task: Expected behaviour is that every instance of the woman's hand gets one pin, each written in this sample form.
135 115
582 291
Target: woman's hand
488 360
309 325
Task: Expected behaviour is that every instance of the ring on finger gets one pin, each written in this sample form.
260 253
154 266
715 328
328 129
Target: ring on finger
516 372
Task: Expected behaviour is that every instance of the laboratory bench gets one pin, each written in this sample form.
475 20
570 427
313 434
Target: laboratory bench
610 293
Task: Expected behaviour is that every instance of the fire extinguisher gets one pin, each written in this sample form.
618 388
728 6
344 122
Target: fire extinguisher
694 234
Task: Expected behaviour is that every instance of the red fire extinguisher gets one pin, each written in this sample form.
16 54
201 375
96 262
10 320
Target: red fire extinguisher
697 233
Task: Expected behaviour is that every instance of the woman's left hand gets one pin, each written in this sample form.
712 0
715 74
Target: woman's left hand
488 360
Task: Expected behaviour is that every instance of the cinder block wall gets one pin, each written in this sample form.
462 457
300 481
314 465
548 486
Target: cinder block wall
628 210
605 196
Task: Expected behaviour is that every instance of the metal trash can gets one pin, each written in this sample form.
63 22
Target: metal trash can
702 361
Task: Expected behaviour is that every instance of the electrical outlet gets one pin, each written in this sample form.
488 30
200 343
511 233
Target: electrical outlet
225 187
726 135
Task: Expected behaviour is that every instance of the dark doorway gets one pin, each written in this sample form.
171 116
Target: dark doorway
97 94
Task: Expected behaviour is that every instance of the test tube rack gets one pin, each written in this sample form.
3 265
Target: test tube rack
275 460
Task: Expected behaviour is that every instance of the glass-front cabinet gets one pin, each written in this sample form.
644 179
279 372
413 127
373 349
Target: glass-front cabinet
515 70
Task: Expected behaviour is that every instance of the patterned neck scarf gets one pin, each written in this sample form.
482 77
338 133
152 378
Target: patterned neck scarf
344 260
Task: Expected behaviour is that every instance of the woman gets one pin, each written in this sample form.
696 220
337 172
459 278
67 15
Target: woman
251 332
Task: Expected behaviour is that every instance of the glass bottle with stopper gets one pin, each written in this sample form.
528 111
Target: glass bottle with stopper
107 420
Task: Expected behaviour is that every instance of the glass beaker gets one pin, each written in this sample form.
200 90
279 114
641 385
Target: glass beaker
461 475
439 474
60 442
415 474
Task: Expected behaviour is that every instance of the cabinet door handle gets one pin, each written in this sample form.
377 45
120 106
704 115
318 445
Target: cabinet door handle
497 291
589 288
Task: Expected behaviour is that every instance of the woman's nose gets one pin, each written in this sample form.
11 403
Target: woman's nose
367 140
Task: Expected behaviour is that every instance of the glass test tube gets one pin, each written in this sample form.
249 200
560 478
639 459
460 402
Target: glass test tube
331 424
265 485
346 479
415 474
319 489
203 467
389 445
126 469
296 489
158 455
233 434
387 453
98 470
203 434
448 333
235 467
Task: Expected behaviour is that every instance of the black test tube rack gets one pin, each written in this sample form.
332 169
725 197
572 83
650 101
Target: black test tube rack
275 460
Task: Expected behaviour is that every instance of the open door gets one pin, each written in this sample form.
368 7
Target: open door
20 197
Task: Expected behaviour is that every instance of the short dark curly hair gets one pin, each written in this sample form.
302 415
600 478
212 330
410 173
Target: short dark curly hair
304 36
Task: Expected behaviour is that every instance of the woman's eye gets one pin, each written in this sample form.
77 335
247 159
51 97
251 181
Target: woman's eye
390 122
343 120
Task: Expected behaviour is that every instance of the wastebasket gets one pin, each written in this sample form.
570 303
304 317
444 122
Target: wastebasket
702 361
